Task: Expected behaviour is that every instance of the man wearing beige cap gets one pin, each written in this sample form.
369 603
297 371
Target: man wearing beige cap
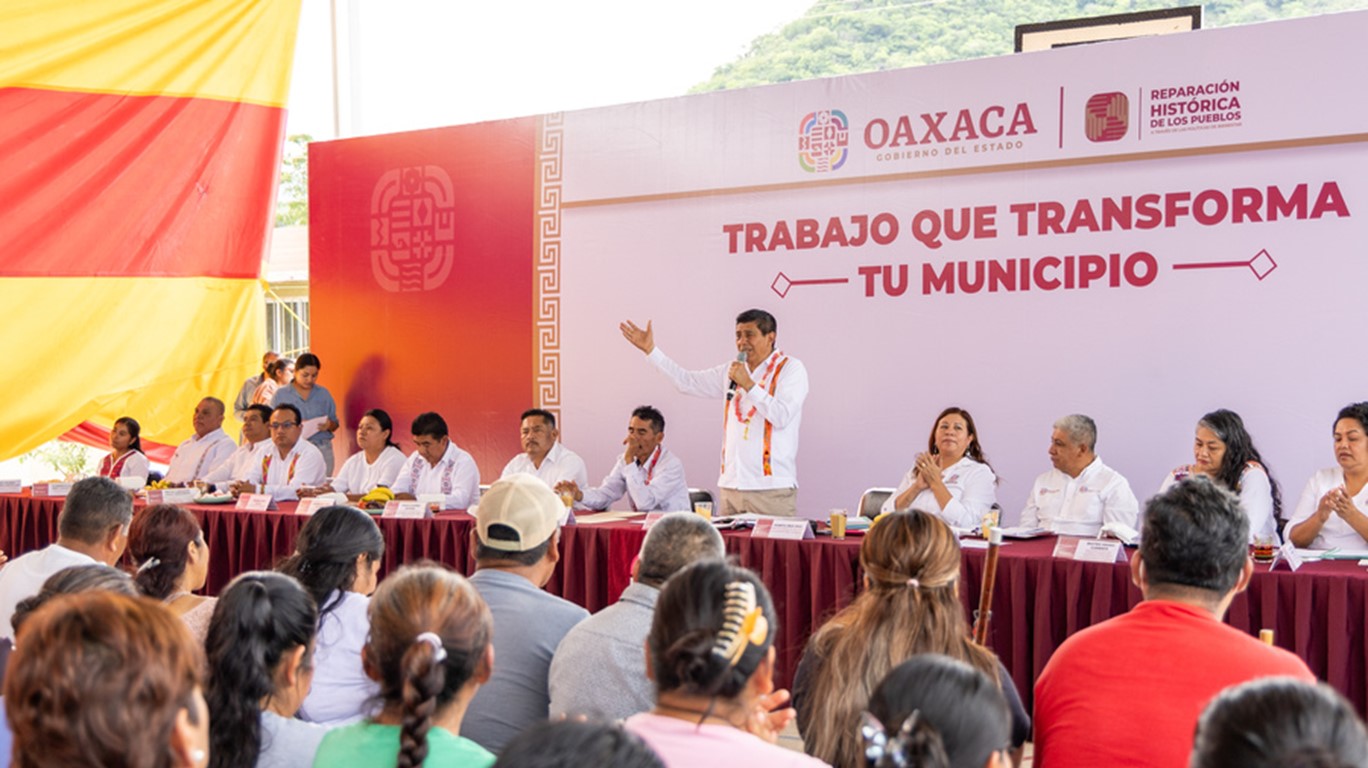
515 541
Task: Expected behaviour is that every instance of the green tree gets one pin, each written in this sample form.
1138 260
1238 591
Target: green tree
292 194
840 37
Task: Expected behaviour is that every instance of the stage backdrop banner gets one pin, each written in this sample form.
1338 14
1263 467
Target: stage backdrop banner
1142 231
138 158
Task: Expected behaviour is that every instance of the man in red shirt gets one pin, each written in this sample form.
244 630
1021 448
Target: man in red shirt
1129 691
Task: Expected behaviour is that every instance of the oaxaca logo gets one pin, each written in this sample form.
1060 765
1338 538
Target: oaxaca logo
1106 116
823 141
412 228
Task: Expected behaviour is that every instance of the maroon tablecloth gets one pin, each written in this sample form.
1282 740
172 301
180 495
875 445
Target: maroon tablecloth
1320 612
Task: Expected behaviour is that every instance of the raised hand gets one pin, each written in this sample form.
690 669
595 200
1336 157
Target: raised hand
641 338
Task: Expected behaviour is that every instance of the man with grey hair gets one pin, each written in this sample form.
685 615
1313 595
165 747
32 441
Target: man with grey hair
1081 493
599 668
92 528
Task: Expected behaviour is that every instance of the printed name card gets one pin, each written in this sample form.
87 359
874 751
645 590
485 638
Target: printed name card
255 502
171 496
11 486
651 519
792 528
1286 554
50 489
1087 550
310 505
411 508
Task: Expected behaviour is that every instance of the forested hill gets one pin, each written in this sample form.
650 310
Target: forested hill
838 37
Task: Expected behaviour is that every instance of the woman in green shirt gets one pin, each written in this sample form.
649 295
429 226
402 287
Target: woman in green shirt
429 650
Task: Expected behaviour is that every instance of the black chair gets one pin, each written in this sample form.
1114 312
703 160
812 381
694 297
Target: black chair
701 494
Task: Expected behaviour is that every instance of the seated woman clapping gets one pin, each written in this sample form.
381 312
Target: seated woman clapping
1333 509
910 606
710 652
953 479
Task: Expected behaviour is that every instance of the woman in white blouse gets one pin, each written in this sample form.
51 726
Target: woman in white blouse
125 458
953 479
377 463
1333 510
1224 451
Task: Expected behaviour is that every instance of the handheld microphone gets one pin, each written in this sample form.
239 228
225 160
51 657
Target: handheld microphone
731 388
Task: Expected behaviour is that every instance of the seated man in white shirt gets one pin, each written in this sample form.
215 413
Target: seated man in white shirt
543 456
204 450
438 466
288 464
92 528
1081 493
255 440
652 477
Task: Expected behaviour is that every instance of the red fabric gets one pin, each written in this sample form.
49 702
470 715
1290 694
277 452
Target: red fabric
1129 691
189 206
94 436
1320 613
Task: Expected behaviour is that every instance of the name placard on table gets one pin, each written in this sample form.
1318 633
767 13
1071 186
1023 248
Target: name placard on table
255 502
411 509
11 486
172 496
1087 550
792 528
50 489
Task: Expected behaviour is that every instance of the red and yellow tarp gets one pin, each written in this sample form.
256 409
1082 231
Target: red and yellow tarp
138 157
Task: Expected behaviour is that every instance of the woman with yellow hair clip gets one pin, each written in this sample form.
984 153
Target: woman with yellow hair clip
711 655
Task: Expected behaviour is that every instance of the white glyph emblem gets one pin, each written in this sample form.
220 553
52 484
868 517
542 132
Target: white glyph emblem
412 229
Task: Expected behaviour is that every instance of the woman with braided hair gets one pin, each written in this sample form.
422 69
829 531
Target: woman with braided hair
711 655
910 605
430 651
260 653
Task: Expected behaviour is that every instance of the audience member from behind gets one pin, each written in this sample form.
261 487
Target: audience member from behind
952 479
100 679
711 655
910 606
92 528
1224 451
438 465
203 451
1331 512
1279 722
256 433
376 464
598 668
936 712
516 542
430 650
125 457
337 559
168 548
576 743
260 652
1143 677
1080 494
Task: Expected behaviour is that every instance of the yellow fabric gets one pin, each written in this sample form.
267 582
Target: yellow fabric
97 348
235 50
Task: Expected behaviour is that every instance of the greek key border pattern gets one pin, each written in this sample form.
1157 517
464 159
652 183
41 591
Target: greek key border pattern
547 298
